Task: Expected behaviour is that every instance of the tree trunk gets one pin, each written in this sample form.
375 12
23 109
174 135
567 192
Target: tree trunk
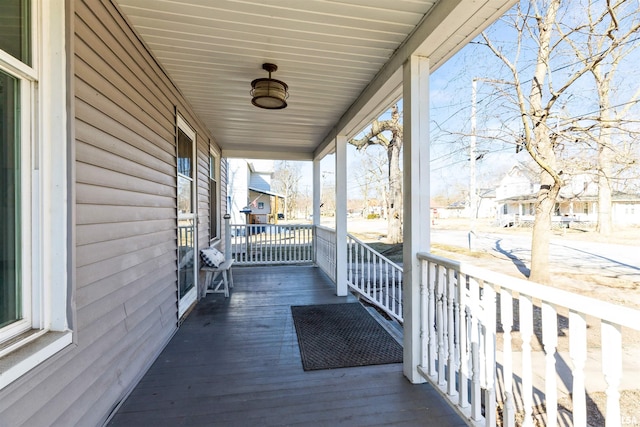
541 235
542 151
605 157
394 218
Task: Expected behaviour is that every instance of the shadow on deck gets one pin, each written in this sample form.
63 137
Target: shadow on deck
235 362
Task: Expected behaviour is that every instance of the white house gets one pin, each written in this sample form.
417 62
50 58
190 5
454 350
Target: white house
578 200
249 191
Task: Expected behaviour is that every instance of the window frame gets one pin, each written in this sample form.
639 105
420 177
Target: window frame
214 158
44 201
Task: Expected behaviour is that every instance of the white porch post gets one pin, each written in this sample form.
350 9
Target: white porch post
316 205
416 231
341 215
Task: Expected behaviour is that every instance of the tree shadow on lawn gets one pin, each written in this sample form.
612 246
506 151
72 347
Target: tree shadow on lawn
520 265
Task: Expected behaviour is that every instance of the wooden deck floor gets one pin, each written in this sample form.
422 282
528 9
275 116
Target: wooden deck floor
235 362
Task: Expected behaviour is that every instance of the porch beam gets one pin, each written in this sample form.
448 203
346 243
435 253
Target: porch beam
416 180
268 155
450 26
341 215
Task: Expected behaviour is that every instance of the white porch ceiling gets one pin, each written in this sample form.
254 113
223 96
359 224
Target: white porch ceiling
340 58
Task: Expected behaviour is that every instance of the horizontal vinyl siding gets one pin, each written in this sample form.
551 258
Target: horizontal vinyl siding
126 218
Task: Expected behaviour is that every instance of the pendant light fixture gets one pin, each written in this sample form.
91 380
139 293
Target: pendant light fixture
269 93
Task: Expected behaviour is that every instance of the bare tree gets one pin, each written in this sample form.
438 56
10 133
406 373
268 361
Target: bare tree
286 179
611 28
388 134
372 173
535 22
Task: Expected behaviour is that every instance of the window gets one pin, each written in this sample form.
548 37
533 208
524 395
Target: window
213 197
33 172
11 298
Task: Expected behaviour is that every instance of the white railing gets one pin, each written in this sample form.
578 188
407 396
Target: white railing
263 244
375 277
325 244
465 354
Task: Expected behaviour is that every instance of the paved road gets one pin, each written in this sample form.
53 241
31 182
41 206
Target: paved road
622 261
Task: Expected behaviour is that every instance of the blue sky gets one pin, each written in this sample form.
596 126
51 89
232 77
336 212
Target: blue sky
450 99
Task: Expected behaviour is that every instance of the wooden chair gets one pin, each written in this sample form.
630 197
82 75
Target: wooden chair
224 275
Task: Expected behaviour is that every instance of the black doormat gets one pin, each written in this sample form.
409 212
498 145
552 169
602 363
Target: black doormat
342 335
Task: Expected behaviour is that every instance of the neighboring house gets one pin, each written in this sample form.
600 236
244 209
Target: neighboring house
249 190
486 207
577 202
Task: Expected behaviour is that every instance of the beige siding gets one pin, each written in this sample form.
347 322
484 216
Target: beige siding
126 246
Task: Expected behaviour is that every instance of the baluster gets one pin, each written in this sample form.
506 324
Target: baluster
268 242
374 283
299 244
362 277
526 332
386 286
578 353
424 315
506 318
433 280
550 342
281 247
244 244
394 285
349 261
474 312
441 324
369 273
292 253
307 245
356 264
489 302
451 335
463 347
612 369
399 301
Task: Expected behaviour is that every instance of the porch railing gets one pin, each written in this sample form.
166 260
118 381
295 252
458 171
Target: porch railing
375 277
264 244
476 323
325 243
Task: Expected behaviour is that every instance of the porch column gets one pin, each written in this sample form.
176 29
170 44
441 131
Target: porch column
416 224
341 216
316 206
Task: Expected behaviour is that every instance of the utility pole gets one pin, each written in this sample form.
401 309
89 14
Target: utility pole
472 169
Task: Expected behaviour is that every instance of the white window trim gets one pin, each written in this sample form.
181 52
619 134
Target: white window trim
217 159
45 180
184 302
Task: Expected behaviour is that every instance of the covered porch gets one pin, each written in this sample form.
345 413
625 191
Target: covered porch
236 361
341 77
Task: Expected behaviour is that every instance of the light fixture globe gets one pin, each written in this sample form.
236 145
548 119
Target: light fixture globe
269 93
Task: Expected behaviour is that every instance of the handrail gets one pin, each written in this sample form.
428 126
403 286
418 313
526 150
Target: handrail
382 257
271 244
462 308
613 313
375 277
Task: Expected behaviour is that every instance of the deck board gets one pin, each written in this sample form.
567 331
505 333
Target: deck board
236 362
